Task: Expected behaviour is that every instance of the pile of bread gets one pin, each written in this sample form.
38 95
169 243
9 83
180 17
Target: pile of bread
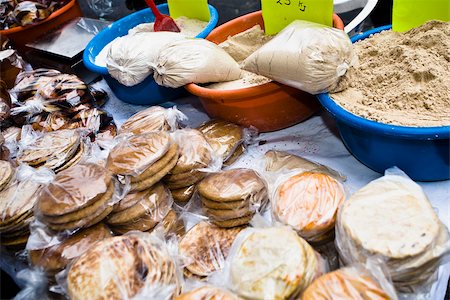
158 218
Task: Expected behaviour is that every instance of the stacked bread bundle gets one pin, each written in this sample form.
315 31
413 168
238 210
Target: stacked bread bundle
195 154
207 293
17 198
141 210
230 198
225 138
271 263
392 217
144 158
206 246
55 258
123 267
347 283
78 197
56 150
306 196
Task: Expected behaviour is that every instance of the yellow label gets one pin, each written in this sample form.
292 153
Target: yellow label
277 14
407 14
193 9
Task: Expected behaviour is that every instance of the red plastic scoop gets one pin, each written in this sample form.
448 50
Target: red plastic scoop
162 22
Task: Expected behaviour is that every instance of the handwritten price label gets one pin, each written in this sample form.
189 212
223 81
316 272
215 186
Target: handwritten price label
277 14
194 9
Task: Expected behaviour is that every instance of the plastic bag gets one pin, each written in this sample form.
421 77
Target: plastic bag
230 198
11 64
17 199
391 217
130 56
269 263
194 61
305 195
353 282
307 56
196 159
155 118
133 266
207 293
78 197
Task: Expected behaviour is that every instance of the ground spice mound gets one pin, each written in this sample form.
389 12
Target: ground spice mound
402 78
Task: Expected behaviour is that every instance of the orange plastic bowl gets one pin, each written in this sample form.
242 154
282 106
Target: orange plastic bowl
23 35
268 107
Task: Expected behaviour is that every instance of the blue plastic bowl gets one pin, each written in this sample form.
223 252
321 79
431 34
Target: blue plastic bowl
146 92
421 152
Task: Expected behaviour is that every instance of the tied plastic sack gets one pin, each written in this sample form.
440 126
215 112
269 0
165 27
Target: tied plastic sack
129 57
391 217
194 61
305 55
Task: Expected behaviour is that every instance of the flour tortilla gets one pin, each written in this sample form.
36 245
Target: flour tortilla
390 216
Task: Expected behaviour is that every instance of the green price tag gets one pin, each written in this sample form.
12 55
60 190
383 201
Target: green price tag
193 9
407 14
277 14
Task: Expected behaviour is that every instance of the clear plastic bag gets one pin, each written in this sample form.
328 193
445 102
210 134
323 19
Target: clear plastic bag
154 118
391 217
194 61
307 56
207 293
357 281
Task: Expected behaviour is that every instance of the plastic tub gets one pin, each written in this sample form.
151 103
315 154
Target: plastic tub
421 152
146 92
23 35
268 107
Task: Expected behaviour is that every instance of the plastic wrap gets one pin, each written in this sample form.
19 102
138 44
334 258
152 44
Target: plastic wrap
134 266
11 64
130 57
270 263
141 211
194 61
366 282
205 247
207 293
78 197
391 217
29 12
305 195
196 159
17 199
230 198
154 118
307 56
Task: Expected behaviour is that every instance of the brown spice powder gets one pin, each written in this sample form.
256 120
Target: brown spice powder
402 78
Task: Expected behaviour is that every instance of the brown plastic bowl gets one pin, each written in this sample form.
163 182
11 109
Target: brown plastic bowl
268 107
23 35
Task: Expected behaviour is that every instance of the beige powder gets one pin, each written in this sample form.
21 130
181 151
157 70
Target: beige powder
240 46
402 78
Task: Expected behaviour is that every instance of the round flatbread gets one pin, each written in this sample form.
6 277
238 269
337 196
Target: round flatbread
137 153
269 263
151 119
172 224
390 216
207 293
88 221
183 194
119 267
226 214
158 165
207 246
17 201
233 222
74 160
308 202
224 137
232 185
346 283
57 257
224 205
235 155
74 189
195 152
6 173
181 180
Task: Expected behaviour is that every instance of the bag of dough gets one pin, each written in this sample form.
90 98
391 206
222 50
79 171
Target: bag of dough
129 57
391 217
194 61
305 55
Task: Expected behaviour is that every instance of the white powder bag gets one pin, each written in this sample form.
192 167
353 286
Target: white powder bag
305 55
194 60
130 56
